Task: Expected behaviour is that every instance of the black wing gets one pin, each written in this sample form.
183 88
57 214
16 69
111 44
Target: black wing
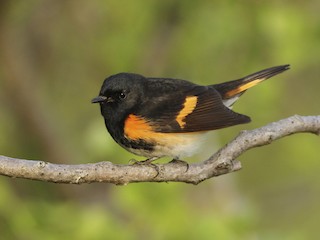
191 108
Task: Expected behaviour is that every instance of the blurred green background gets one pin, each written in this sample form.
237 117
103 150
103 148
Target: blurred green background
54 56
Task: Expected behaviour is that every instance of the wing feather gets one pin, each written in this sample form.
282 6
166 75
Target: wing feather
193 108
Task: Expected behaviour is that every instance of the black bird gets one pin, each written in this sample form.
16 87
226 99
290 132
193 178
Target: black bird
158 117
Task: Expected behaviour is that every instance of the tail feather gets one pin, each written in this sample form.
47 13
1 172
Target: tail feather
232 90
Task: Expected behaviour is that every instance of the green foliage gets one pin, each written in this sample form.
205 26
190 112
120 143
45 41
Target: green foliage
54 56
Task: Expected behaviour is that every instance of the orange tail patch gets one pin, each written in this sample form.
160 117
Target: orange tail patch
243 87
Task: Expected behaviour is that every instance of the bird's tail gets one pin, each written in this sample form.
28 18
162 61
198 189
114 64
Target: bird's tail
232 90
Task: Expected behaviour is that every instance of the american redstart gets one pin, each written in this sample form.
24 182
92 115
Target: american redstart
164 117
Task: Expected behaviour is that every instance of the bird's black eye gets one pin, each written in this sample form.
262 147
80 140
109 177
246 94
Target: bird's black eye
122 95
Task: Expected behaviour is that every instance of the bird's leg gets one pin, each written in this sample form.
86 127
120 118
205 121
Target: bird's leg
147 162
178 161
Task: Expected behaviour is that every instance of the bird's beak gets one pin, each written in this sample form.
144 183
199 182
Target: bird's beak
99 99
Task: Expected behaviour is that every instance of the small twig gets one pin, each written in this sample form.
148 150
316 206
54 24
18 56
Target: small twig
222 162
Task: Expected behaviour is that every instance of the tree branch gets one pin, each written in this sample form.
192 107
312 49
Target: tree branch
222 162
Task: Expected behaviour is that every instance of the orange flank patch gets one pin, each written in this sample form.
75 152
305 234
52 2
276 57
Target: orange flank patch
138 128
165 144
242 88
188 107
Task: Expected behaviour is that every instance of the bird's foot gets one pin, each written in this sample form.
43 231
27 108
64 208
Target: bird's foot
178 161
147 162
143 162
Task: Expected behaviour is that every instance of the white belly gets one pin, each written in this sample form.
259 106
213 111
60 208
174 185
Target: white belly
176 145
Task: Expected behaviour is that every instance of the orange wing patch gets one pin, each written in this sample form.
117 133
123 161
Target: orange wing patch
188 107
242 88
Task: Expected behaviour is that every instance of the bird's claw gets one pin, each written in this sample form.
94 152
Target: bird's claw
147 162
178 161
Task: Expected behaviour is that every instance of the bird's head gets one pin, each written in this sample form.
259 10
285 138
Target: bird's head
120 93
